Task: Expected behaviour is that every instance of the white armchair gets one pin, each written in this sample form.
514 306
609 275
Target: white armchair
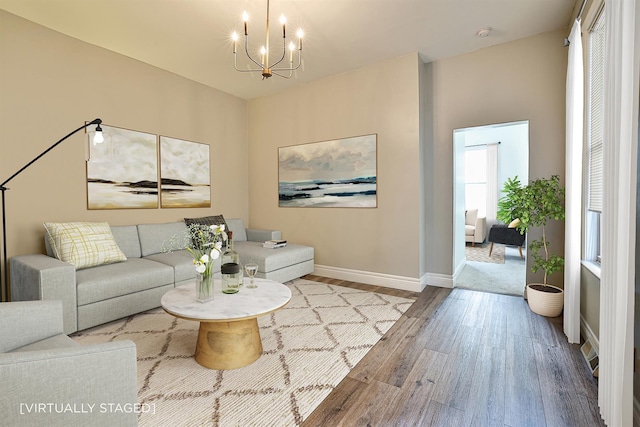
475 227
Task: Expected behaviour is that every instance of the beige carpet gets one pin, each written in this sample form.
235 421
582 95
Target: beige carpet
309 347
480 253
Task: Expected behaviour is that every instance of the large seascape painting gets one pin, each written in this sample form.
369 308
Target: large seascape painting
338 173
123 172
185 174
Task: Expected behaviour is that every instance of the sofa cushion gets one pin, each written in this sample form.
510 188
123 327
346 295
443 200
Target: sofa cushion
272 259
127 239
37 319
207 220
109 281
181 261
50 343
236 226
158 238
83 244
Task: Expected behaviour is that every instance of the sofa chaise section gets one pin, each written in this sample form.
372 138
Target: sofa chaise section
281 264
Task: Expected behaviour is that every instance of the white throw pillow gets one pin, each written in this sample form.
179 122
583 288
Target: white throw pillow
83 244
514 223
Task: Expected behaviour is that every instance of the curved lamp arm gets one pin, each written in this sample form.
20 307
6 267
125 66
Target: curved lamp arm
4 289
93 122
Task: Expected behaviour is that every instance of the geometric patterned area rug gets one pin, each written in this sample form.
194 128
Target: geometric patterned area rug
309 346
480 253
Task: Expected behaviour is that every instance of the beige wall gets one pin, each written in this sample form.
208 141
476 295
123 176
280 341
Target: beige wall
50 84
381 99
520 80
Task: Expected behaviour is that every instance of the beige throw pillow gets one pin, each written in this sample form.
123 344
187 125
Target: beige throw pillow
83 244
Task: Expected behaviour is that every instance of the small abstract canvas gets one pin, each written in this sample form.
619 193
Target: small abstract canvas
122 173
184 174
337 173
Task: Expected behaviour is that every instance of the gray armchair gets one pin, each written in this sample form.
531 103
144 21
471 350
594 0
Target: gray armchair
49 379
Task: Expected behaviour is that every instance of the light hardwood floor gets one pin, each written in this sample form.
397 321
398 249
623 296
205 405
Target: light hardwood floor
464 358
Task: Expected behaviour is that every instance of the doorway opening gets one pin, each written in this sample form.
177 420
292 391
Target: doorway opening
484 158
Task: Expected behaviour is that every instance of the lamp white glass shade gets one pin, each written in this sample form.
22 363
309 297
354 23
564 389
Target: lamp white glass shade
98 137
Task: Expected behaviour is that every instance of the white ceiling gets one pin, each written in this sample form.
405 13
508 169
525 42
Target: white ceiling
192 37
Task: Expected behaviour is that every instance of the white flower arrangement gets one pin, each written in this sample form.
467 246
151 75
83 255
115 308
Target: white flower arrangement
206 246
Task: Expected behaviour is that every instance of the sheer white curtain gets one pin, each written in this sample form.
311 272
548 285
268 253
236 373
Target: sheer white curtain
573 200
492 184
620 140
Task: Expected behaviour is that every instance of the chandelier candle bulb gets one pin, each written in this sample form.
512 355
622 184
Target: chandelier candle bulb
300 34
283 21
245 18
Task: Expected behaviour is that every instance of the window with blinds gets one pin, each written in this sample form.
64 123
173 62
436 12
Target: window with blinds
595 118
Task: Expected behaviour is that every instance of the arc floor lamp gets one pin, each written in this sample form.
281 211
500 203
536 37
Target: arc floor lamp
98 138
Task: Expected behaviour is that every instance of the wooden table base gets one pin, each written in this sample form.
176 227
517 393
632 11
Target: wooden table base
228 345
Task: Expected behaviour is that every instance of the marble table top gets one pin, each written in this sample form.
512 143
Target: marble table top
247 303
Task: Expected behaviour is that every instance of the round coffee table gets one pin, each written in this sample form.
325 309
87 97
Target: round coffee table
229 336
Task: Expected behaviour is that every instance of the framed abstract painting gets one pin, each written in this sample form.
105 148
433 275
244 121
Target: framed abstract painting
184 174
336 173
122 172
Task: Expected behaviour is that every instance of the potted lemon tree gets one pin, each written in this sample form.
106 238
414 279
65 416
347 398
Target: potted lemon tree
538 202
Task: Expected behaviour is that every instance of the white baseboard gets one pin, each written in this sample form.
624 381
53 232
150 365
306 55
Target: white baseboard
387 280
370 278
440 280
588 334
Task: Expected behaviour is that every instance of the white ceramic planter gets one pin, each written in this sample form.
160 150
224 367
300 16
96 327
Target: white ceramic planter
547 304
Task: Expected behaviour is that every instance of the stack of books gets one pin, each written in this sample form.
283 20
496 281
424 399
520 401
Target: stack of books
272 244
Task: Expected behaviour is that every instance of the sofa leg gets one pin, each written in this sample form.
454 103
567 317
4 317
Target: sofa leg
473 244
490 248
520 250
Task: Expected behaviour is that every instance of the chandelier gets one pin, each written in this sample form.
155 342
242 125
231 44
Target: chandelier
265 66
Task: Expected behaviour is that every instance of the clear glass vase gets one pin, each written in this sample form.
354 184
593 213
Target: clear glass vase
204 287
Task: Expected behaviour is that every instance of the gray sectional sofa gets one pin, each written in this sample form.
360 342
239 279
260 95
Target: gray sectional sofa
97 295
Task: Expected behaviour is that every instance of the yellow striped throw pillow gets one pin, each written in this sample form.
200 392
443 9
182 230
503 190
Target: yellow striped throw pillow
83 244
